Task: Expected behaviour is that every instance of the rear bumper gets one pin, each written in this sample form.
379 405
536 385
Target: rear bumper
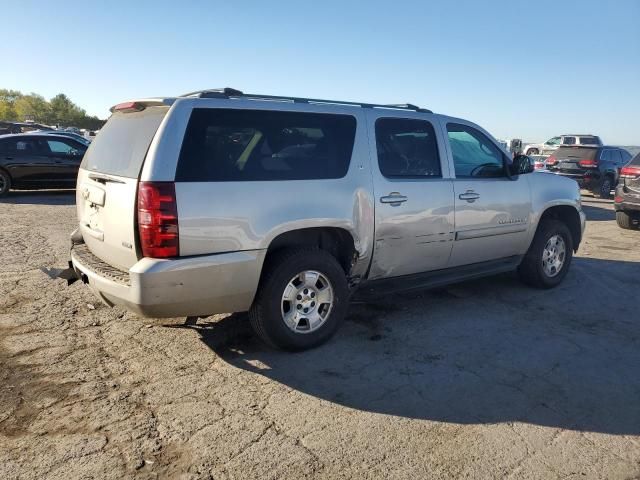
630 202
191 286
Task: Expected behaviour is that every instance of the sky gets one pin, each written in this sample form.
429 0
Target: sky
521 69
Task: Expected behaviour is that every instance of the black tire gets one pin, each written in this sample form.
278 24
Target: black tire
5 183
531 269
625 220
605 187
266 312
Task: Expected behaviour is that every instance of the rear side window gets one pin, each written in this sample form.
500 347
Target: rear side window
589 141
407 148
635 160
227 145
123 142
568 140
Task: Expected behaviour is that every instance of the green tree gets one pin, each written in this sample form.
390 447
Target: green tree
33 107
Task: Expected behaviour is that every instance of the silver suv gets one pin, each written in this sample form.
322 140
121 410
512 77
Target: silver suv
220 201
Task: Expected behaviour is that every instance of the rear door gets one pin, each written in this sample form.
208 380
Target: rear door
108 181
492 211
413 196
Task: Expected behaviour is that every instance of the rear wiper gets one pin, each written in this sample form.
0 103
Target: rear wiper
104 178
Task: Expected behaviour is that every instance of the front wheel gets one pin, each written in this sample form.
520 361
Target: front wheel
547 262
301 301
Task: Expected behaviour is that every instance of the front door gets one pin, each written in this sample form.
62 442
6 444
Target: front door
65 155
492 211
413 196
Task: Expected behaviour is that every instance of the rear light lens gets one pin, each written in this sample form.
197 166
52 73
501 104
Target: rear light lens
630 172
587 163
128 107
552 160
538 165
618 199
158 219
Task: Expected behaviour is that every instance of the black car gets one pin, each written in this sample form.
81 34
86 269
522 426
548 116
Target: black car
627 199
29 161
594 168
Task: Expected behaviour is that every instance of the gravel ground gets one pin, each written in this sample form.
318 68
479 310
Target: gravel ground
483 379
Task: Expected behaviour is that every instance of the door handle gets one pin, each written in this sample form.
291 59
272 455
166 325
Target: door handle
470 196
394 199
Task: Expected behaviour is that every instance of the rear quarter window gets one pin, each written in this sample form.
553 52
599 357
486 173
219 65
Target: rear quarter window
589 141
226 145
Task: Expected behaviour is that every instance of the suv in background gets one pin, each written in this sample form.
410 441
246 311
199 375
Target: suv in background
627 198
220 201
595 169
551 145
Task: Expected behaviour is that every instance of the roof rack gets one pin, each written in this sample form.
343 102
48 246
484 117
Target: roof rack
233 93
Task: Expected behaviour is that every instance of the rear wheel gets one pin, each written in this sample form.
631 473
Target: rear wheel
626 220
604 189
5 183
549 257
301 301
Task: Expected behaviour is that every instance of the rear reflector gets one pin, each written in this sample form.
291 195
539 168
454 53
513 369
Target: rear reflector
630 172
587 163
128 107
158 219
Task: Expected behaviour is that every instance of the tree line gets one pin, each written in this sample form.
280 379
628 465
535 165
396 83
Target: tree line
60 110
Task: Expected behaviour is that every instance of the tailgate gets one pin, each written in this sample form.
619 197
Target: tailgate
108 182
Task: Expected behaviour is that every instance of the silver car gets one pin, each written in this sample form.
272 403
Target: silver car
220 201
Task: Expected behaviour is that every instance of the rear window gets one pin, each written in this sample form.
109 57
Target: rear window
568 140
226 145
576 152
635 160
123 142
589 141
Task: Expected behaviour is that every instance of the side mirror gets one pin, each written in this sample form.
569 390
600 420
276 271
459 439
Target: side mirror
521 164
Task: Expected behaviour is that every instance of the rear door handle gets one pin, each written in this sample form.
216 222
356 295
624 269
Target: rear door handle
394 199
470 196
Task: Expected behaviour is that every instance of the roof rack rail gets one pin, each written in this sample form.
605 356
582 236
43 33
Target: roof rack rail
233 93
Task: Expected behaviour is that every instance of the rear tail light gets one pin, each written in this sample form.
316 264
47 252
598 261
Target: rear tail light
630 172
618 199
552 160
587 163
158 219
538 165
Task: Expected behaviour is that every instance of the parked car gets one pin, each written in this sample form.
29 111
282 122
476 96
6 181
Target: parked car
551 145
627 197
539 161
220 201
38 160
595 169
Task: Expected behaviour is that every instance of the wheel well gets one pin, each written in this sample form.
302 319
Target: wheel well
570 217
337 241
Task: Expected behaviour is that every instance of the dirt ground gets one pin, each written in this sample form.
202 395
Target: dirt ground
481 380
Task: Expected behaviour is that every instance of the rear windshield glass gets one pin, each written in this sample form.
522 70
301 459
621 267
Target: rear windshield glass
589 141
120 147
635 160
225 145
576 152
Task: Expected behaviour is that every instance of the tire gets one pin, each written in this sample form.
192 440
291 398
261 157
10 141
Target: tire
5 183
532 270
605 187
625 220
270 307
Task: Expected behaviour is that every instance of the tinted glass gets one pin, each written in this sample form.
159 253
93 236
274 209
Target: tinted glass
605 155
576 152
21 145
474 155
553 141
589 141
225 145
58 146
626 156
635 160
407 148
568 140
123 142
616 156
